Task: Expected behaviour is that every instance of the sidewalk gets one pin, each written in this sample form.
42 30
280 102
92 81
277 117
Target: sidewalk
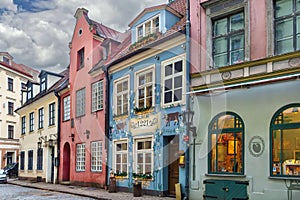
90 192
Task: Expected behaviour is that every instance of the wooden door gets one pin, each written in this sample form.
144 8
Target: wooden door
173 172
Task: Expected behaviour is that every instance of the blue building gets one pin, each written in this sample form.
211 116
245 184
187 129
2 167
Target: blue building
147 76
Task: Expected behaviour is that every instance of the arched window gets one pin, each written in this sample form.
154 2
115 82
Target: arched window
226 144
285 141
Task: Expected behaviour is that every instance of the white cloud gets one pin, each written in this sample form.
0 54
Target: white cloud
41 39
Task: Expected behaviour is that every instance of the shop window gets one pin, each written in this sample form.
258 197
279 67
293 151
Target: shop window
285 141
226 144
287 26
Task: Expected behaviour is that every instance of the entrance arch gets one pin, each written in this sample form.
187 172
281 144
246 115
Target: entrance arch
66 162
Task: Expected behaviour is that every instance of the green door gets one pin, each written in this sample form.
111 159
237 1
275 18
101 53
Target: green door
225 190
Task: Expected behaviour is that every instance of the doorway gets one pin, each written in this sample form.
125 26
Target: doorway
66 163
173 167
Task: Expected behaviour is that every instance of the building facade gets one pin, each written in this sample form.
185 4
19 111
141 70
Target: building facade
147 98
82 144
39 120
245 91
14 78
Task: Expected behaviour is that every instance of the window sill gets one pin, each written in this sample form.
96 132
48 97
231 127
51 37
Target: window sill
51 126
284 178
121 177
227 175
120 117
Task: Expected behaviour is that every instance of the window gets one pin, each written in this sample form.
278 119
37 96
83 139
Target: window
285 141
10 83
121 157
51 114
39 159
41 118
6 60
226 144
80 59
10 129
23 131
287 26
121 93
228 40
143 156
10 108
96 153
22 158
97 96
66 108
29 91
145 89
43 84
31 122
173 81
80 157
147 28
80 102
30 159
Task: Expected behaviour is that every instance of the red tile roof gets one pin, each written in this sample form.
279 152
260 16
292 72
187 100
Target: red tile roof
23 69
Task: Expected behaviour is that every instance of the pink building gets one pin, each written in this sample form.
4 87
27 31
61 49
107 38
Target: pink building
83 136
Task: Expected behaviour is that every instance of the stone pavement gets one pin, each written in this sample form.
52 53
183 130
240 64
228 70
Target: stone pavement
90 192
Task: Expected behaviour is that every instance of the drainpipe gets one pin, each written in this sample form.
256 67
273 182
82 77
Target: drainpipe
58 131
107 129
187 157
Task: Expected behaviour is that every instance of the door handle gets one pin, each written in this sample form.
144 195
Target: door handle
225 189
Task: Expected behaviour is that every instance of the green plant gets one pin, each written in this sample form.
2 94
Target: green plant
142 176
142 109
120 174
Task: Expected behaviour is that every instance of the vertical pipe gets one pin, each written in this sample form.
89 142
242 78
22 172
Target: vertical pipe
187 157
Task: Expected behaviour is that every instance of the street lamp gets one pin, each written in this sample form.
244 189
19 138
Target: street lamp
188 117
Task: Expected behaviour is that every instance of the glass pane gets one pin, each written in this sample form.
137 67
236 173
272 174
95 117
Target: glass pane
298 42
289 152
124 146
168 70
118 167
141 80
147 169
148 145
291 115
124 168
284 46
220 45
148 158
178 66
124 158
148 28
298 5
177 95
237 22
213 153
220 60
168 97
178 82
141 93
284 29
220 27
283 7
226 121
118 158
140 145
168 84
237 42
237 56
140 168
149 77
140 158
118 147
119 87
125 85
276 135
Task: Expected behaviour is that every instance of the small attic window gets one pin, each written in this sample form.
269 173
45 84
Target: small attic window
148 27
80 32
6 60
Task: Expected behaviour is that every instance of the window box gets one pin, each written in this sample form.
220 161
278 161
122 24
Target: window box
142 177
143 110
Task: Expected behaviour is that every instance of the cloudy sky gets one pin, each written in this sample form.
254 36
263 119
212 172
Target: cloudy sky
37 32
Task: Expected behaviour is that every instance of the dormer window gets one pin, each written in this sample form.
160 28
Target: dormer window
80 59
6 60
43 84
29 91
148 27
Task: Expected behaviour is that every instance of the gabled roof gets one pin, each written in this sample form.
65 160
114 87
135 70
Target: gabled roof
168 7
102 30
18 68
58 86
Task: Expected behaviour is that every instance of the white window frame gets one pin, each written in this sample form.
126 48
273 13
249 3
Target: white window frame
116 95
97 96
80 102
152 29
163 78
96 152
137 86
80 157
43 84
67 107
144 151
122 152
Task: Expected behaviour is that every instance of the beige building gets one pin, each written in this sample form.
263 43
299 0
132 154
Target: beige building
39 121
13 78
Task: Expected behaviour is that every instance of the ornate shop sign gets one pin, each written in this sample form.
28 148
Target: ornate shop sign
144 125
256 146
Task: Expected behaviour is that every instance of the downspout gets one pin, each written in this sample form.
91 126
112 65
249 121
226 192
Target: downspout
187 156
58 131
107 129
